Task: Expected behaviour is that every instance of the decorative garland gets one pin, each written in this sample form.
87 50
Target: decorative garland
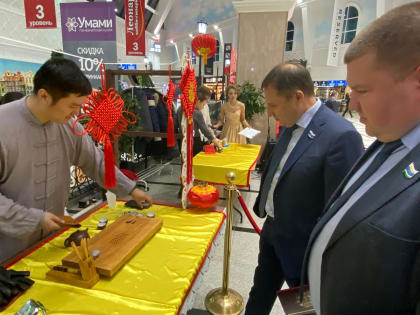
106 123
168 99
188 88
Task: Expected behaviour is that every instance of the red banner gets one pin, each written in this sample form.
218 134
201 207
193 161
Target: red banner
135 28
233 60
40 14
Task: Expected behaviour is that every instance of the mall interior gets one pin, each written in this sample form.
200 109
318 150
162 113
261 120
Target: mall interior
193 250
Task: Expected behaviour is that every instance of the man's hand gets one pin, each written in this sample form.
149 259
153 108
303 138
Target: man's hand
139 196
51 222
217 144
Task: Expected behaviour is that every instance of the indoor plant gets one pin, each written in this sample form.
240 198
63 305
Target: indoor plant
252 98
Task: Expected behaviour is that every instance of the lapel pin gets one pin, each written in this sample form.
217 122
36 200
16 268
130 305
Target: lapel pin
410 171
311 134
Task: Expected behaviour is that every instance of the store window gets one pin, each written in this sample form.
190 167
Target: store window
216 57
289 36
351 17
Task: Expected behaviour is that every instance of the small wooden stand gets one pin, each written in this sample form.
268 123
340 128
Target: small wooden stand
86 276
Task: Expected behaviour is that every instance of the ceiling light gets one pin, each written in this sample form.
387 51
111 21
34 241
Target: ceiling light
216 27
202 26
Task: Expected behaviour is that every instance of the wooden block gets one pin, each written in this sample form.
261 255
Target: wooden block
118 243
72 278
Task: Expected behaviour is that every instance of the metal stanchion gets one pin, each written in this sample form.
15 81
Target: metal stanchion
223 301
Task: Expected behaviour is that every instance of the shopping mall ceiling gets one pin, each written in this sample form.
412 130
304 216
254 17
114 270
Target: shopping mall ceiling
179 17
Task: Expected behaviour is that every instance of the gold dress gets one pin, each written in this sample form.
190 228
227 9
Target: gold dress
234 115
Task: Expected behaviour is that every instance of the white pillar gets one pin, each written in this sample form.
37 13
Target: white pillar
383 6
308 35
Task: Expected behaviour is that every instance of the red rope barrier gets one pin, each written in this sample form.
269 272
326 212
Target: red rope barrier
250 218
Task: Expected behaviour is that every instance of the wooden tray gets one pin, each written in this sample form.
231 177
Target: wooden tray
118 243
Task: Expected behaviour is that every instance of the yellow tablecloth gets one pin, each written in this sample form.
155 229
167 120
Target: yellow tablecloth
238 158
154 282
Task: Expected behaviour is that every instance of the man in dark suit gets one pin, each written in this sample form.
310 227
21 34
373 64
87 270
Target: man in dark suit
312 155
332 103
363 256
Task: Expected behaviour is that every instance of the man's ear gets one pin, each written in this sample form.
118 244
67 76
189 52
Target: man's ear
299 95
44 96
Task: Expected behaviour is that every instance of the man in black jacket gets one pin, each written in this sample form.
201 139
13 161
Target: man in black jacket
363 256
332 103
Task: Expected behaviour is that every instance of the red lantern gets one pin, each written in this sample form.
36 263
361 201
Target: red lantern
203 196
204 45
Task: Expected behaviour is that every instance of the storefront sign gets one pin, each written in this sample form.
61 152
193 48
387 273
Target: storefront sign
88 21
90 56
330 83
208 68
226 53
213 80
127 66
135 28
40 14
335 39
88 31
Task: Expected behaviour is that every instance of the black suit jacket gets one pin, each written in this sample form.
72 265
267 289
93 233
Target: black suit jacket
332 104
371 264
310 175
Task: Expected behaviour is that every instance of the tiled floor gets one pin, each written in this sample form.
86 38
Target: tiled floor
164 187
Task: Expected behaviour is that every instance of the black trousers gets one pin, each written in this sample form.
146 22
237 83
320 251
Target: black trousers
347 110
197 145
268 276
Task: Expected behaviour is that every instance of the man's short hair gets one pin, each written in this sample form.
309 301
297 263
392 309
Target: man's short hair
203 92
289 77
61 77
394 38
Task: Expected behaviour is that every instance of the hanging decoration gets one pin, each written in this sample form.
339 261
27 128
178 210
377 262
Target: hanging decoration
104 109
168 99
188 88
204 45
188 98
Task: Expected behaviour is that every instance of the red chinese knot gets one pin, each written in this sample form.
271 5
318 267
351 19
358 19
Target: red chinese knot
104 109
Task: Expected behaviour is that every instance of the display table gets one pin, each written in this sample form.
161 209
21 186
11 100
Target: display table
238 158
157 280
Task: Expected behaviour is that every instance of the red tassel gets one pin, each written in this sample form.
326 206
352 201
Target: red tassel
109 165
171 135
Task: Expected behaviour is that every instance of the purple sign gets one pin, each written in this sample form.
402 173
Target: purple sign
88 21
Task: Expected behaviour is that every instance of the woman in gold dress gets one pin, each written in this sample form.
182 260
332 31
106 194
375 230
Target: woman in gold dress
232 117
